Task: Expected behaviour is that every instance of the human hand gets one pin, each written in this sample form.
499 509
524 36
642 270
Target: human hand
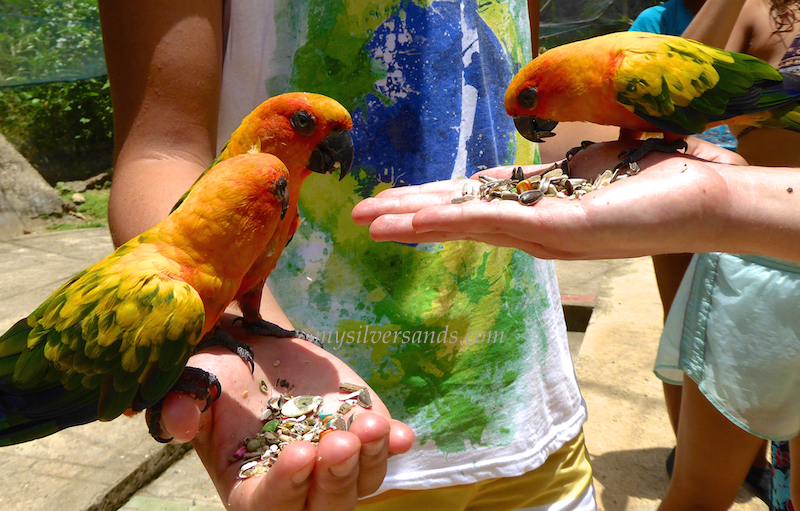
704 150
660 210
344 466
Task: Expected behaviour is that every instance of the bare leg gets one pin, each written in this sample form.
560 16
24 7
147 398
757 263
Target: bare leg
794 468
672 398
712 458
669 270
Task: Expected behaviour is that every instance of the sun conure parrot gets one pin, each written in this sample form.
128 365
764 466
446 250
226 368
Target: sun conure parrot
117 336
650 83
309 133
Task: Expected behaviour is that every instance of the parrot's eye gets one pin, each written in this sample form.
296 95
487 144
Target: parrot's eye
303 122
528 97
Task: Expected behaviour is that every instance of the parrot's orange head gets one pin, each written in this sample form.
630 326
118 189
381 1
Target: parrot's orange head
309 130
522 101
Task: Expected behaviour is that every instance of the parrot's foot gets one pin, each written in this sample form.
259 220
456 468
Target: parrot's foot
268 329
575 150
193 381
635 154
564 165
226 340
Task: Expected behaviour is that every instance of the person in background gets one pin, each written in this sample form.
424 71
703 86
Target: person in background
669 18
767 30
771 33
498 423
674 17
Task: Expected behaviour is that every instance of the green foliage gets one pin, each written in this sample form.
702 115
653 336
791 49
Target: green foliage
94 209
58 119
49 40
66 116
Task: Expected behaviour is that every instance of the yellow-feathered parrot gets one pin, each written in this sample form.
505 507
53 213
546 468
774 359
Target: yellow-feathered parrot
650 83
117 336
309 133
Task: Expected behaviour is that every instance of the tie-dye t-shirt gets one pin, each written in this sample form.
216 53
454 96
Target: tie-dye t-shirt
463 341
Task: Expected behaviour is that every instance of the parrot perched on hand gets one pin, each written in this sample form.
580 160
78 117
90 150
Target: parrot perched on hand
117 336
650 83
309 133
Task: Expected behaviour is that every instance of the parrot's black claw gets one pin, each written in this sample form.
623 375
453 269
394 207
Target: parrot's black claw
193 381
226 340
564 166
154 424
575 150
634 154
268 329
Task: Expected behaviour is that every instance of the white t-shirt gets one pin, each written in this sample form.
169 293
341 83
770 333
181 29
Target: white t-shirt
464 342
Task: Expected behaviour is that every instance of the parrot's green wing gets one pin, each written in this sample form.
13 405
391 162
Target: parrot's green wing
680 85
116 336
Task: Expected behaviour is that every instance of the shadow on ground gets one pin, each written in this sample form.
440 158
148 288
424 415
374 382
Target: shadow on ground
626 474
630 477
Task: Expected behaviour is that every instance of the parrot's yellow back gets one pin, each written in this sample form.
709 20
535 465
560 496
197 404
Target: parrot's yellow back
118 335
651 82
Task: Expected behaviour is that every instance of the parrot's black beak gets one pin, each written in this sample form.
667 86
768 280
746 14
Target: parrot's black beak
333 153
281 191
534 128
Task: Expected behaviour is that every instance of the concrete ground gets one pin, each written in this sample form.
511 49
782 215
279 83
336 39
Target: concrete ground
117 466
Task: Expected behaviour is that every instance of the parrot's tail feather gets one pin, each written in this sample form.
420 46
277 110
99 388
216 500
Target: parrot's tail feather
46 403
15 428
28 414
12 343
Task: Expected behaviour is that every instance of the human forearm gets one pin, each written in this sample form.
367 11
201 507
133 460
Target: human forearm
762 215
164 64
683 204
143 193
714 22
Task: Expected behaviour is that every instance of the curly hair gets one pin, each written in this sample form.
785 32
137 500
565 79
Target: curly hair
784 13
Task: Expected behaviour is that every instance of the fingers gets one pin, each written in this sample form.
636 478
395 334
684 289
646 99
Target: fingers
180 417
344 465
332 475
353 464
401 437
182 414
372 431
334 484
284 487
409 199
451 222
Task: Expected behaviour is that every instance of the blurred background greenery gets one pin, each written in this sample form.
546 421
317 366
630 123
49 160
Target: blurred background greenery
55 106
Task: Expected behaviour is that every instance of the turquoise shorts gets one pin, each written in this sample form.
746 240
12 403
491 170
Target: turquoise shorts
734 328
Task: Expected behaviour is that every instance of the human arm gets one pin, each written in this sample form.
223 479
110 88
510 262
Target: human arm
534 16
164 63
714 22
675 204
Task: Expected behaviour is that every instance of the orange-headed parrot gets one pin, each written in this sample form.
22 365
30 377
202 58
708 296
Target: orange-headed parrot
650 83
309 133
117 336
